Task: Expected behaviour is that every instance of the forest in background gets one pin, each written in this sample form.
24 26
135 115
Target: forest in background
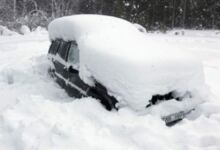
152 14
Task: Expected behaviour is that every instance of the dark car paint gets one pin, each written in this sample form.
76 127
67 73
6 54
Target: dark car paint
68 77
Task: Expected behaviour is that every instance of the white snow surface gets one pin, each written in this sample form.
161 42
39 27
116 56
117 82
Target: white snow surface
4 31
25 29
36 114
140 27
132 65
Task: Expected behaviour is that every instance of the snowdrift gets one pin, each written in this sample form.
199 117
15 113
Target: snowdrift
4 31
35 113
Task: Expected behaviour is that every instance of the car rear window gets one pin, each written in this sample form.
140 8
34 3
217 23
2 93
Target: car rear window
54 47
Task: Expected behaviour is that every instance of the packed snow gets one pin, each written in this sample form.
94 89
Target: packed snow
4 31
35 113
24 29
131 65
140 27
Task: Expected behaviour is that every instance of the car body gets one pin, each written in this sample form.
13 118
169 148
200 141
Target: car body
110 59
67 76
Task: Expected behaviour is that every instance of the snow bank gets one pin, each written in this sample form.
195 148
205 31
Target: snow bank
195 33
38 123
25 29
35 113
140 28
131 66
6 32
40 29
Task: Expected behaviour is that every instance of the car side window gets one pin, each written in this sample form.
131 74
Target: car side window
54 47
63 49
73 56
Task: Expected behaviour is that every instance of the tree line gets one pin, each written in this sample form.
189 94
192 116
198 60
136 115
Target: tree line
152 14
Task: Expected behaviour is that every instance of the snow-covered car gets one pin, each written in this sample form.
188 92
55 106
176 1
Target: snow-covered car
110 59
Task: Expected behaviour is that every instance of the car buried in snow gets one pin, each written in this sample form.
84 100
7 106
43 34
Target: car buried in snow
111 60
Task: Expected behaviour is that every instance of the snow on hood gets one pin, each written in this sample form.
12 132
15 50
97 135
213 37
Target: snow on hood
131 66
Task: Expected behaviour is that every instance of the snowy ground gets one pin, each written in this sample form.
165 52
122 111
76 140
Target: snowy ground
36 114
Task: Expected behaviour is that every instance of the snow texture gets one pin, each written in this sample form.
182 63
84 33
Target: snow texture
36 114
132 65
24 29
140 27
4 31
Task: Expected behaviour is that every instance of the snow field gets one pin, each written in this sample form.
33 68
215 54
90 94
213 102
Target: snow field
35 113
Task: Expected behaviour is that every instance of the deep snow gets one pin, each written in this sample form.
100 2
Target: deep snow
35 113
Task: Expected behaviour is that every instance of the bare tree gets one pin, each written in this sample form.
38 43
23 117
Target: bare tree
173 13
184 13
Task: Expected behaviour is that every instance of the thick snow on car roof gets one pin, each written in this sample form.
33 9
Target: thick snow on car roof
132 66
110 35
73 27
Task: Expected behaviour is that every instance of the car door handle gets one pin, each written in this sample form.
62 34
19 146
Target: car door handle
70 69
